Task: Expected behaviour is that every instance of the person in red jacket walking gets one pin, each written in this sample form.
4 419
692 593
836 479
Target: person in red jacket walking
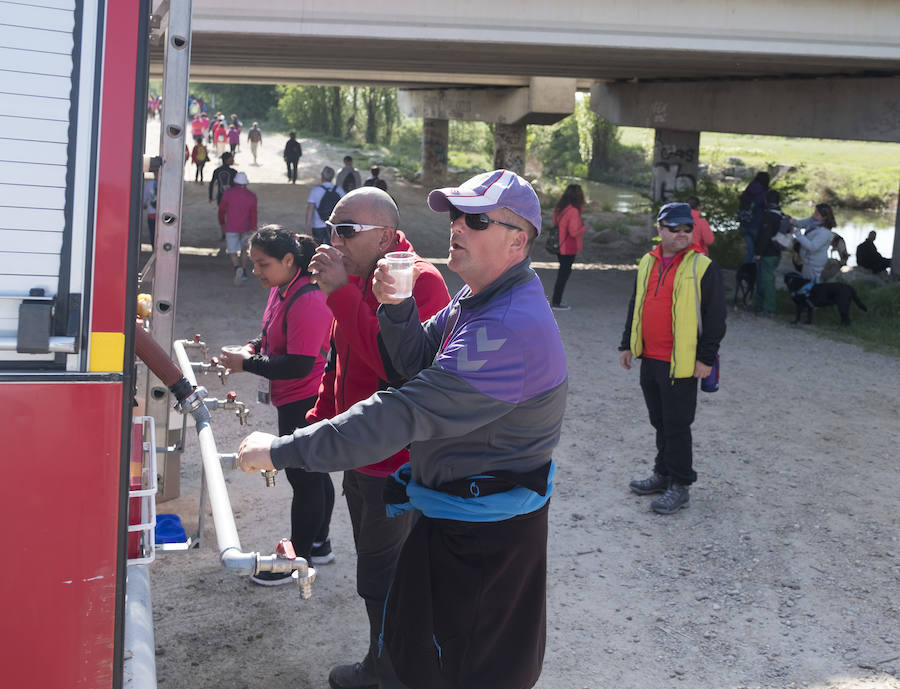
567 217
363 228
237 218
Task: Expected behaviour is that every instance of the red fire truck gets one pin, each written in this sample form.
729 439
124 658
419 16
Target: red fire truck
73 78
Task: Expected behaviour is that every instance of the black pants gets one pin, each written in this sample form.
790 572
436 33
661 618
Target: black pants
378 538
198 173
292 169
313 499
562 276
467 609
671 403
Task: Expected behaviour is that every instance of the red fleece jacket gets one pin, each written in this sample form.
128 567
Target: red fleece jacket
357 370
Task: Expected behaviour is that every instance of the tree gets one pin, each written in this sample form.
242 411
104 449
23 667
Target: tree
248 101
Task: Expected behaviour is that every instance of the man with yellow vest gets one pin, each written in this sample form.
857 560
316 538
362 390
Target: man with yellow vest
676 320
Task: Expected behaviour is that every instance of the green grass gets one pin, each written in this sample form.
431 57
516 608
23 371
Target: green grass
853 170
877 329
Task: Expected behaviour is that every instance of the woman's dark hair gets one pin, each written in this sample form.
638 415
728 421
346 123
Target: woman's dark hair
572 196
693 202
827 215
374 171
277 241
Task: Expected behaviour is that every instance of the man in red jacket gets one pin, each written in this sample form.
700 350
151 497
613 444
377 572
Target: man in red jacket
363 228
237 218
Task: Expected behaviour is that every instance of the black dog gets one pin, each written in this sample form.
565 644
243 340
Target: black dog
824 294
744 285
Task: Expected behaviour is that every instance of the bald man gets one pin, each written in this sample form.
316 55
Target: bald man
363 229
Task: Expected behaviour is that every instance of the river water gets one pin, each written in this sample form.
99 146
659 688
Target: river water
852 226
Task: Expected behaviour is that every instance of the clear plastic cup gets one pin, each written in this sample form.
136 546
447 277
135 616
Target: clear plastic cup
400 264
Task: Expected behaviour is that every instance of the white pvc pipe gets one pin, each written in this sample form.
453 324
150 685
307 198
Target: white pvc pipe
139 666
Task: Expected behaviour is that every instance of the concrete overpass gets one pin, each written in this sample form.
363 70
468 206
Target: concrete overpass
816 68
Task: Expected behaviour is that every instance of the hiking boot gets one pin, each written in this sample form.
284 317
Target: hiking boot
356 676
676 497
657 483
321 553
273 578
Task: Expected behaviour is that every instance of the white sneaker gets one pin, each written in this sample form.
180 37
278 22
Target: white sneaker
239 277
561 306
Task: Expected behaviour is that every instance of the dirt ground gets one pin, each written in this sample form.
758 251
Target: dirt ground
784 572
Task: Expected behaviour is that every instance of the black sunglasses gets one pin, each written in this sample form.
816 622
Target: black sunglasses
478 221
675 228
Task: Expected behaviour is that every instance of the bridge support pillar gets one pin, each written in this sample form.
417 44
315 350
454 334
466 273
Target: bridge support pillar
675 159
509 147
435 141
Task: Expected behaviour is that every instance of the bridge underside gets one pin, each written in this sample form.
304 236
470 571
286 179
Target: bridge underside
280 58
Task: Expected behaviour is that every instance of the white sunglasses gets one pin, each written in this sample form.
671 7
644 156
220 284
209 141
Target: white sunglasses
346 230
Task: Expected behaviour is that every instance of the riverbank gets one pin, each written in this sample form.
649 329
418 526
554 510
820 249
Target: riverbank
852 175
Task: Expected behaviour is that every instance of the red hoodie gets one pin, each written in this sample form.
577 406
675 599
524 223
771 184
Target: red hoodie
357 371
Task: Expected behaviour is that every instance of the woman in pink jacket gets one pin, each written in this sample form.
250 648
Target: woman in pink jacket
567 217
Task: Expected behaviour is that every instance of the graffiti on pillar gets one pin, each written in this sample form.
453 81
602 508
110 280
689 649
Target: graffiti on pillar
674 169
659 112
669 178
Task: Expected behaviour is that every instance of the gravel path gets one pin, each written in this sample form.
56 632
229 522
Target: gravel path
784 572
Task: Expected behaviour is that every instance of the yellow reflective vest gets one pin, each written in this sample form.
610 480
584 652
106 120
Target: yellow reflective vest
685 310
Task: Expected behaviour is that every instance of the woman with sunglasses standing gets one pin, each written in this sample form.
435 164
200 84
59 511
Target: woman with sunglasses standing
567 217
289 356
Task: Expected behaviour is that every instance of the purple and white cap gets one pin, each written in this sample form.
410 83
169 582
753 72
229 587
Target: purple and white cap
489 191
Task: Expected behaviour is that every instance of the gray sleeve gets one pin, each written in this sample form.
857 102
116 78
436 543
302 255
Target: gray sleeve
435 404
411 345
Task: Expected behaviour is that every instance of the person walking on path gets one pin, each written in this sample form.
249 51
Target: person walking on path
237 218
254 137
375 179
676 320
364 228
293 151
348 177
234 138
320 203
199 157
290 354
567 216
197 130
481 412
220 136
703 235
222 178
769 254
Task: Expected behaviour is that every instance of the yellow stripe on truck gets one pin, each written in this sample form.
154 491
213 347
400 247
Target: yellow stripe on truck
107 352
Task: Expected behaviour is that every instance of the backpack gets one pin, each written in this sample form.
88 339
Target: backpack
745 208
327 202
349 183
201 154
552 241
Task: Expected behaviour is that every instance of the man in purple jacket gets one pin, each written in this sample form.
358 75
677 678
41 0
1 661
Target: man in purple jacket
481 412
